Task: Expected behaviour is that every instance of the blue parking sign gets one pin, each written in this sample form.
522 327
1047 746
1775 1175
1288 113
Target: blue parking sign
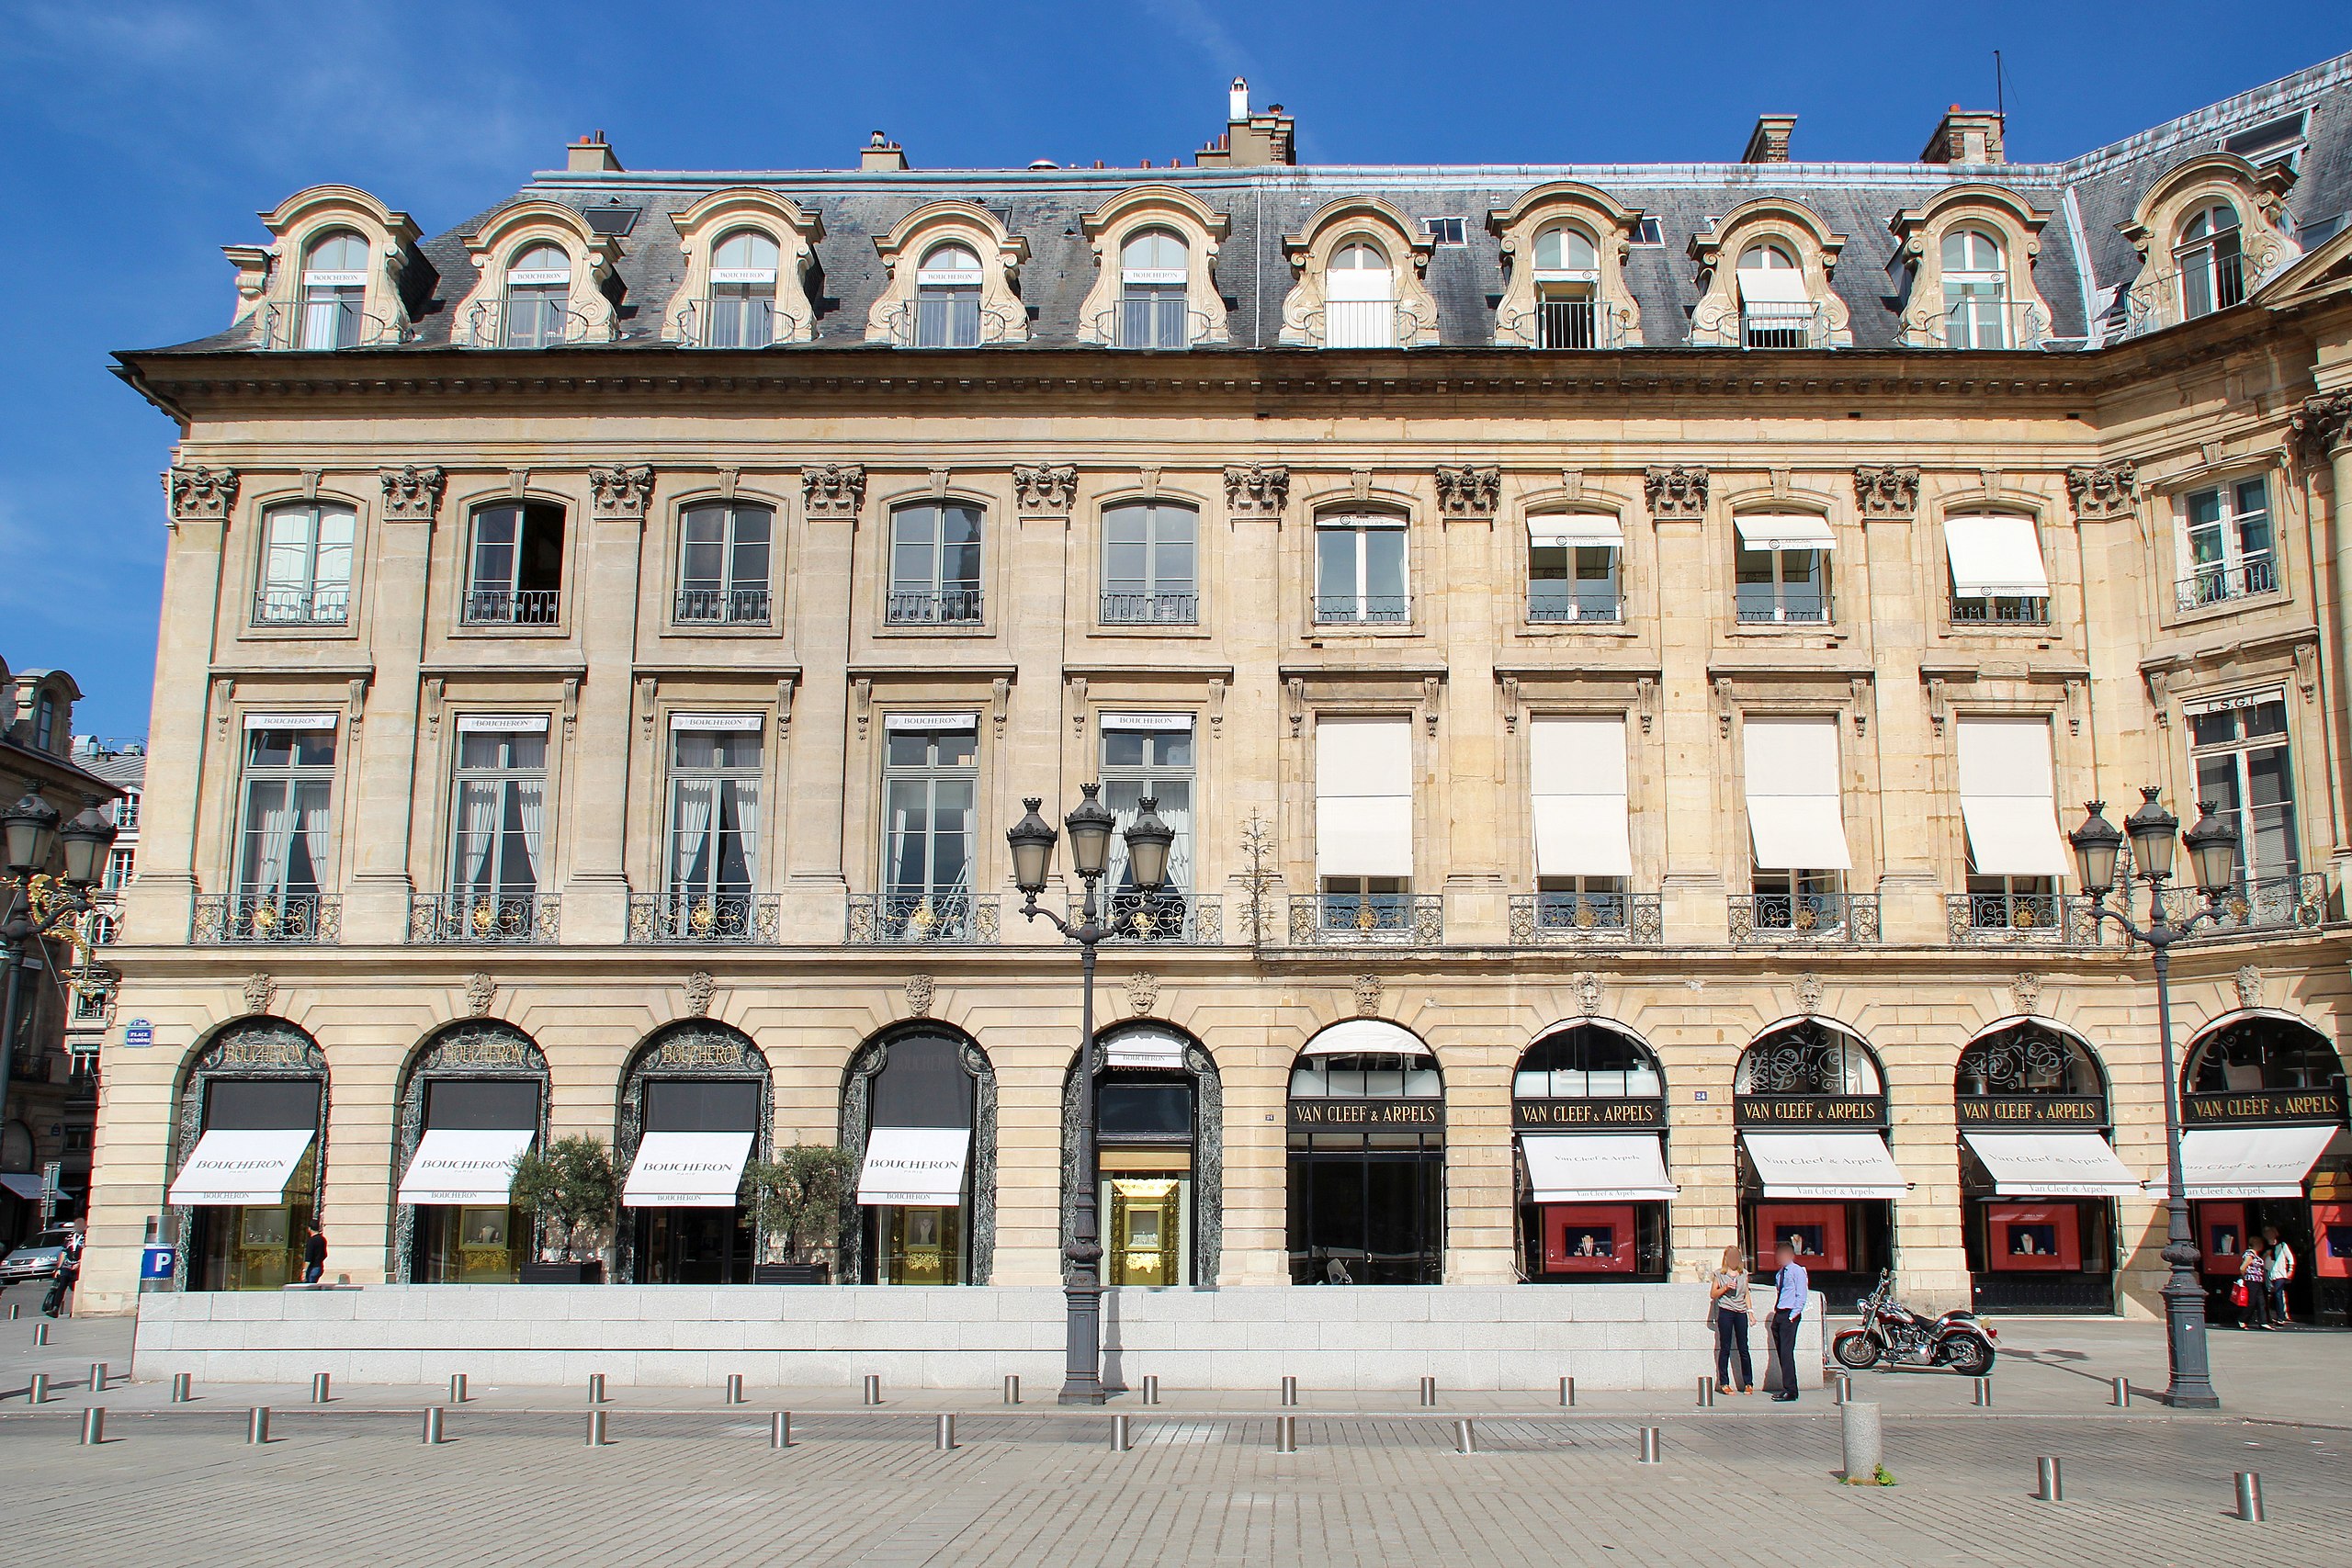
157 1262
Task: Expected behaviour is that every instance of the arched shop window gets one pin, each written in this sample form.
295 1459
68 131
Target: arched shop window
250 1141
696 1105
1367 1159
2263 1148
475 1099
921 1103
2038 1177
1589 1107
1810 1103
1159 1129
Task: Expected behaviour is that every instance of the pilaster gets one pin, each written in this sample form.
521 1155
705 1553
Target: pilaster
598 759
378 811
816 893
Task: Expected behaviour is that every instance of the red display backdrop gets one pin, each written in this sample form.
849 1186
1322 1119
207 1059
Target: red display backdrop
1588 1238
2332 1239
2034 1237
2221 1236
1819 1230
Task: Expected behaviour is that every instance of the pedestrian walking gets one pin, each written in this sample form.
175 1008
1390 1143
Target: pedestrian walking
1727 1306
314 1255
2280 1269
2252 1293
69 1271
1788 1311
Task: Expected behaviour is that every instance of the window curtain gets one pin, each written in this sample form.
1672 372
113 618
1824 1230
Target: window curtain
314 833
691 833
530 807
480 811
277 818
747 821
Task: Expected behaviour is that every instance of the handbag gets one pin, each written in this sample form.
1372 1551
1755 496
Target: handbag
2237 1293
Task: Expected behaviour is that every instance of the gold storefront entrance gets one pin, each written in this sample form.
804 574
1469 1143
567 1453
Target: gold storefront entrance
923 1246
1146 1221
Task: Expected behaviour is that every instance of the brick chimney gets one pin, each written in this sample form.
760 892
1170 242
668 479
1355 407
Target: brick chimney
1249 139
1769 144
882 154
591 154
1966 136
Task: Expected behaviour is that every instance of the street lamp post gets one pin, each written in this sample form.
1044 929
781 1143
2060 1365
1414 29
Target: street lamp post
30 837
2213 852
1033 838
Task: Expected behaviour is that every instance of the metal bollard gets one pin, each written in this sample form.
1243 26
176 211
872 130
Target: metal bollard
183 1384
874 1388
1861 1439
2123 1396
734 1388
1012 1388
1429 1391
1151 1390
1466 1435
1285 1434
1290 1390
1120 1437
40 1334
97 1377
432 1424
257 1424
94 1426
1984 1392
1706 1392
318 1388
1649 1445
2249 1485
780 1429
945 1438
1841 1389
1568 1392
595 1429
457 1388
38 1393
595 1388
2050 1479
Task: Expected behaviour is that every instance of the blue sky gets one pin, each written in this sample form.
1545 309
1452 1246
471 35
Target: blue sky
140 138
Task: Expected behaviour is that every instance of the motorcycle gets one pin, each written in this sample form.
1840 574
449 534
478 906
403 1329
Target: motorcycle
1895 1334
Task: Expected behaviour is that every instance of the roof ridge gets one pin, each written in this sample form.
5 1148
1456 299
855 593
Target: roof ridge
2200 121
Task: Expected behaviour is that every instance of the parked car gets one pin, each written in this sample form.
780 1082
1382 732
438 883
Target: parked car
36 1259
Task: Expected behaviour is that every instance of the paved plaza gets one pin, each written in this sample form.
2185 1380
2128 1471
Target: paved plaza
687 1479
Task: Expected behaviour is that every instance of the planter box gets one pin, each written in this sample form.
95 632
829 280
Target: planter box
792 1273
589 1273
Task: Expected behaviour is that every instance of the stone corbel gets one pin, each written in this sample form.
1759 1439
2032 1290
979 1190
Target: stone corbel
1938 710
1360 483
199 495
1216 705
434 688
1000 702
783 688
1779 480
1510 704
413 494
939 481
310 481
1724 707
833 490
861 694
358 692
1078 704
571 705
1147 481
518 482
1428 702
1572 484
2307 668
1646 700
620 494
647 689
224 694
727 480
1294 689
2159 681
1860 688
1045 489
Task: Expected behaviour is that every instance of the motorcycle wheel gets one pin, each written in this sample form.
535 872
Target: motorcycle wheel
1854 1349
1970 1356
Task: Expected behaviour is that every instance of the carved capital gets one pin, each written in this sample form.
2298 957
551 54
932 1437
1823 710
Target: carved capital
2103 491
201 495
1675 491
1891 494
620 494
1468 491
1261 490
1045 489
836 489
2322 425
413 494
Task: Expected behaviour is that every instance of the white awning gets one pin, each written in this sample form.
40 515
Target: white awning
1591 1168
1794 817
1363 798
1793 531
1993 554
239 1165
464 1165
1144 1046
2007 797
1825 1164
2250 1162
1576 528
2052 1165
686 1170
1578 772
1772 286
1365 1034
920 1165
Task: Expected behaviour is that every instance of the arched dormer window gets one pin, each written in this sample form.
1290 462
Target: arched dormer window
538 290
331 276
745 251
334 289
1775 311
1969 252
952 269
1564 248
2213 275
1975 285
1155 283
1360 304
1764 274
1359 266
1153 272
2210 231
742 291
542 277
948 299
1567 278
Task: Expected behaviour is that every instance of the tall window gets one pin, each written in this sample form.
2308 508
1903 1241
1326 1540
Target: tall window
1775 311
723 552
1359 567
1997 576
1567 275
742 291
126 809
335 288
1150 565
1152 274
282 848
1572 567
1360 299
305 566
45 722
498 845
713 856
1148 755
121 863
948 299
1975 285
935 565
2227 530
2245 768
2213 271
929 784
538 298
517 564
1781 570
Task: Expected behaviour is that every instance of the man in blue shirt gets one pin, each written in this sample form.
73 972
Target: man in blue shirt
1788 1310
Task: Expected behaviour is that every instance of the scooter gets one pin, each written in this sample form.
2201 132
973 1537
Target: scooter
1892 1332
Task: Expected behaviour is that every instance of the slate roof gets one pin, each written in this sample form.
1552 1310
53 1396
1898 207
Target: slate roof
2084 257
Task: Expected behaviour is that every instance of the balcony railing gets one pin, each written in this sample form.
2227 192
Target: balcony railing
692 918
1822 919
1784 326
322 605
2001 610
1792 611
514 607
885 919
1162 919
2261 904
751 322
323 326
1546 607
1633 919
1412 919
2019 919
722 607
532 323
957 607
274 919
1362 609
946 322
2214 584
1992 324
449 919
1167 322
1150 609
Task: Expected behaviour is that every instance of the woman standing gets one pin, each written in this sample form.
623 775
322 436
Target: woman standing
1727 1306
2253 1286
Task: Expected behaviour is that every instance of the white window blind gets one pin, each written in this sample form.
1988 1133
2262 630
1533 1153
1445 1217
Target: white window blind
1994 557
1772 286
2007 790
1578 781
1793 531
1794 813
1576 528
1363 798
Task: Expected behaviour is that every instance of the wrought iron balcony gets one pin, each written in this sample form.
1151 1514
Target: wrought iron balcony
1362 609
1550 604
2264 904
741 322
946 322
532 323
1163 919
1598 919
1151 609
1991 323
282 920
2019 919
2000 610
450 919
691 918
1411 919
1164 322
2217 583
514 607
322 605
323 326
956 607
1792 610
722 607
1825 919
885 918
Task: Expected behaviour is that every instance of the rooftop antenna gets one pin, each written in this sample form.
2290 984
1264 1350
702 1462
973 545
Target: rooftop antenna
2000 97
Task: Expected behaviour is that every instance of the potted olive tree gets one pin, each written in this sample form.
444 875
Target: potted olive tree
795 1201
570 1188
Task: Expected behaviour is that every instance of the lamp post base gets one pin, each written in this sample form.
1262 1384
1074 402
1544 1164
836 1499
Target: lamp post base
2191 1385
1083 1363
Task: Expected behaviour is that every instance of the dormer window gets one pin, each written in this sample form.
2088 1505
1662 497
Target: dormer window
538 291
1360 299
1975 285
2213 273
948 299
742 291
45 722
1774 310
1567 276
335 290
1153 270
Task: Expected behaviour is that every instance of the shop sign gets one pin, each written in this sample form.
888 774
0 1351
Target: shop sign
1598 1115
260 1054
2032 1111
482 1052
2255 1107
1809 1111
1365 1115
678 1054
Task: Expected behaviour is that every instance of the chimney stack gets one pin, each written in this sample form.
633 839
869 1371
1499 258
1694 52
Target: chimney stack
1249 139
1237 110
591 154
1769 142
880 155
1966 136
